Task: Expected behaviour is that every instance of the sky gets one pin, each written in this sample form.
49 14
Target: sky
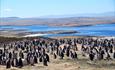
38 8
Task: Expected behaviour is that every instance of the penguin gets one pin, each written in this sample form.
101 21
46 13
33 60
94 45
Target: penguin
32 61
72 56
21 54
91 56
8 64
10 55
47 57
35 59
40 59
20 63
62 55
12 62
75 55
55 56
108 56
16 62
45 61
100 54
114 55
67 53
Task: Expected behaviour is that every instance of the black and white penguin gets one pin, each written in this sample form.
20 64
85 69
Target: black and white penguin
40 59
114 55
20 63
35 59
55 56
47 57
91 56
45 61
8 64
62 55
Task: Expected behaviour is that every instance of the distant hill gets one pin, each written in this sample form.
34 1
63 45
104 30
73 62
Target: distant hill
67 20
4 19
106 14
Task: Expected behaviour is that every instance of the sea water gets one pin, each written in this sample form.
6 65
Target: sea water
93 30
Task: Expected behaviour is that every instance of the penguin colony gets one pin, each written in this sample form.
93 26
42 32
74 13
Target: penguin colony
31 52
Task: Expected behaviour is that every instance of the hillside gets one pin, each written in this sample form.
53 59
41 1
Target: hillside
68 21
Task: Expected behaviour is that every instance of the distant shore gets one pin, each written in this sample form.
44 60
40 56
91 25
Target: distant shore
24 33
11 39
63 22
68 21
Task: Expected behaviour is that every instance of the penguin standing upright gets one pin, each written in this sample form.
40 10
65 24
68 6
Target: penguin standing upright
16 63
114 55
10 55
35 59
91 56
12 62
108 56
20 63
32 60
62 55
71 54
21 54
67 52
8 64
45 61
47 57
40 59
101 54
75 55
55 56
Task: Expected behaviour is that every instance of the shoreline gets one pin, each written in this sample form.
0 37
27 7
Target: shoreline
9 39
36 33
58 25
8 32
68 21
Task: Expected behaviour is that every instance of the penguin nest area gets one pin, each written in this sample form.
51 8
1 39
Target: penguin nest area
86 58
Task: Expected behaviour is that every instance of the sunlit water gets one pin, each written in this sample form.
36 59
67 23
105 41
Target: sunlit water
95 30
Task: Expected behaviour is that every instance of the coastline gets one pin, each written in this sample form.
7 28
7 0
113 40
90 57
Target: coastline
24 33
9 39
68 21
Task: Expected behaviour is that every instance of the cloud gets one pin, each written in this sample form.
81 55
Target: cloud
7 10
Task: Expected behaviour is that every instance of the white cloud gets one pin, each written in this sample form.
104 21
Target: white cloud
7 10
